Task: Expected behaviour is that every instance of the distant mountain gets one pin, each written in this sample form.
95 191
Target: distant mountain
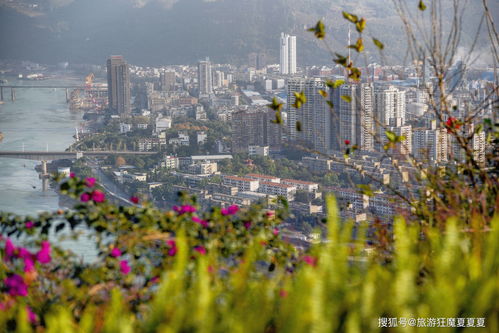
153 32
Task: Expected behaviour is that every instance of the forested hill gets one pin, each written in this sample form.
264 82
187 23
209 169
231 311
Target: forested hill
152 32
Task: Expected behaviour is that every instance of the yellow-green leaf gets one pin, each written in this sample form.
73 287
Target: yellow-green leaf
378 44
358 46
300 99
346 98
319 30
354 74
275 105
350 17
361 25
340 60
392 137
323 93
421 6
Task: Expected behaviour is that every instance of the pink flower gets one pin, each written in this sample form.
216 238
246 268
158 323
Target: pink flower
231 210
184 209
115 252
312 261
269 213
43 256
247 224
90 181
173 247
283 293
23 253
134 200
16 285
72 175
200 249
10 249
124 268
154 279
85 197
347 142
196 219
98 196
29 224
31 315
275 231
29 265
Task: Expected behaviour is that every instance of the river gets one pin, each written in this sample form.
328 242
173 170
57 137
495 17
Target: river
39 119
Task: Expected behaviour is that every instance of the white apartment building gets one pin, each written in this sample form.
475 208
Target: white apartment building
242 183
302 185
263 178
287 191
287 54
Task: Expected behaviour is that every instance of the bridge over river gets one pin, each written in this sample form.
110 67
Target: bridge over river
41 86
45 156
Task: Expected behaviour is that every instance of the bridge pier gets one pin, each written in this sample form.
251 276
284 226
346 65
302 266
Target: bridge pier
1 93
67 97
12 94
45 176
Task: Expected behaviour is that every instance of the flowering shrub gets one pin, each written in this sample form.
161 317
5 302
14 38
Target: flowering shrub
174 273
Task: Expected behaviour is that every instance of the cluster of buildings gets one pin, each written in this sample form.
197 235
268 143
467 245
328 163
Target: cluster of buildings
392 99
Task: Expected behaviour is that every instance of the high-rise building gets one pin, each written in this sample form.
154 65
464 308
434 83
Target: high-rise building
430 144
389 102
118 85
205 79
314 116
167 80
254 128
287 54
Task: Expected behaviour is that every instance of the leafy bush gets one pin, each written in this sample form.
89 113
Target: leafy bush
228 270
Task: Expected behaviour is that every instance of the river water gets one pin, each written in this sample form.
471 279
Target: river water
39 119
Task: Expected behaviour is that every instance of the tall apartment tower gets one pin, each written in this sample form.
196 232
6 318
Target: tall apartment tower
353 116
118 85
287 54
167 80
254 127
205 79
314 116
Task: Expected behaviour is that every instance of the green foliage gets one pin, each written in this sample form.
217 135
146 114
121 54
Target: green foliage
341 285
319 30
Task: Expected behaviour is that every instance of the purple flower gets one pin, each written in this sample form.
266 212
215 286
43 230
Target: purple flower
16 285
72 175
173 247
10 249
29 224
231 210
247 225
85 197
196 219
98 196
43 256
134 200
115 252
124 268
90 181
200 249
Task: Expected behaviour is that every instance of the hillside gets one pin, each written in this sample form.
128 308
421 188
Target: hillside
156 32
